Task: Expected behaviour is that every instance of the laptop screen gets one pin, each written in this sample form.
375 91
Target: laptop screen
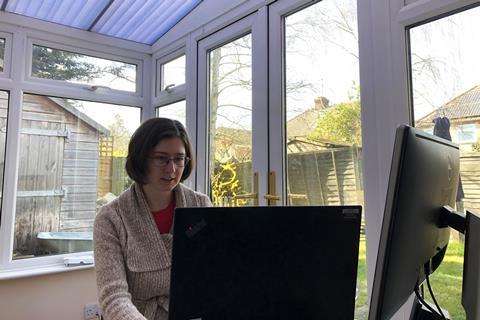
264 263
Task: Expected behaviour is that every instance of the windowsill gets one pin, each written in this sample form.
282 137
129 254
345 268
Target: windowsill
32 271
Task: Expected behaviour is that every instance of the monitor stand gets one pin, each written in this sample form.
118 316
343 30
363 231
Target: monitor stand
420 312
471 267
469 225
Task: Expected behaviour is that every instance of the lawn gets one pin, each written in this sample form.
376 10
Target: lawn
446 282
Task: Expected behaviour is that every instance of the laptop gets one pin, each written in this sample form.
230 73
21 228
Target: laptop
264 263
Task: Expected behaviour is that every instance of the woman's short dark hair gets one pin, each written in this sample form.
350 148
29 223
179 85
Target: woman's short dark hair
146 137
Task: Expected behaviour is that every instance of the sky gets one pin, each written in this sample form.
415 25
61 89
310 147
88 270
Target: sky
452 43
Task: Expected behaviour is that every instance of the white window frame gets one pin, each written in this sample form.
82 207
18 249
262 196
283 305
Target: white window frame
58 46
276 77
177 89
7 54
254 24
384 83
183 46
19 83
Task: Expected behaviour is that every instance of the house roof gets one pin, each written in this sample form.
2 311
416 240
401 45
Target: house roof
303 124
463 106
143 21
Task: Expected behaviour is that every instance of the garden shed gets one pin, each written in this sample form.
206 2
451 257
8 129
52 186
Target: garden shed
57 170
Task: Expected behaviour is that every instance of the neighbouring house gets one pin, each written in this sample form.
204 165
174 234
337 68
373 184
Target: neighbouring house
306 122
58 165
463 111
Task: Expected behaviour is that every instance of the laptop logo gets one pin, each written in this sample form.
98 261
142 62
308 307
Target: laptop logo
193 230
350 213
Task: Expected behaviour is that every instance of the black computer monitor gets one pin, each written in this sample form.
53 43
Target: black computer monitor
264 263
423 179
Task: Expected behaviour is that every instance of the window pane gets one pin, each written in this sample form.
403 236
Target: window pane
3 134
2 54
173 72
446 89
176 111
323 129
230 103
72 159
49 63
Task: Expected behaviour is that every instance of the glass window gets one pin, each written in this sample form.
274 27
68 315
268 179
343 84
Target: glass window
176 111
2 54
173 72
4 96
230 128
72 159
445 90
323 129
49 63
466 133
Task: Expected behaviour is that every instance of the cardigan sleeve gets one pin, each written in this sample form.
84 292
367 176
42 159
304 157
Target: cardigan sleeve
112 286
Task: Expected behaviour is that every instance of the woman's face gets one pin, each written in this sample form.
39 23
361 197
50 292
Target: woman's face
166 164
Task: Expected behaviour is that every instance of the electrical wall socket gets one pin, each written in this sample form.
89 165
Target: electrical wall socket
91 311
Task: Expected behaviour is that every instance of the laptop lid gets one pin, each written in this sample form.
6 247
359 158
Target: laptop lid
264 263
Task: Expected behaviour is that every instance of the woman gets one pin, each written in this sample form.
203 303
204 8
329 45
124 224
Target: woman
132 234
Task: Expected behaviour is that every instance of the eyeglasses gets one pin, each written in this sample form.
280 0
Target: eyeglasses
162 161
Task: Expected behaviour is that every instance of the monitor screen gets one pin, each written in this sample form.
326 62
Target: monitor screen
423 178
264 263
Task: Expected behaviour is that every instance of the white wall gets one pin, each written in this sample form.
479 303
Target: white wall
58 296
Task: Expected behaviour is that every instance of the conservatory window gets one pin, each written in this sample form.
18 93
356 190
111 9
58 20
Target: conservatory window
176 111
71 161
172 73
5 46
2 53
444 72
3 134
466 133
63 65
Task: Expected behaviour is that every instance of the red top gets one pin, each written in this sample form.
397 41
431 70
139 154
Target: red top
164 218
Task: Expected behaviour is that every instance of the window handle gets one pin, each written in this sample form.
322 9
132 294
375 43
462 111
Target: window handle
96 87
170 87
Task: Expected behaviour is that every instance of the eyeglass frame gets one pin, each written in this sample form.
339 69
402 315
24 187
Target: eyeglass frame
168 159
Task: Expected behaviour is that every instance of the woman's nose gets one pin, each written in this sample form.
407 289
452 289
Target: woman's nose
170 166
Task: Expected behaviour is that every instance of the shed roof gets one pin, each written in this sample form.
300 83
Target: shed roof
80 115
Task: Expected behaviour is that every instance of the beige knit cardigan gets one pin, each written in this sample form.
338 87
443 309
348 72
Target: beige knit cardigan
132 258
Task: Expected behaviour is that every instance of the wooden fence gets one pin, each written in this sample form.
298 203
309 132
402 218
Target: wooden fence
470 175
324 177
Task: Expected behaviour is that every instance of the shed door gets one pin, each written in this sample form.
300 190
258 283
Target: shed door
40 191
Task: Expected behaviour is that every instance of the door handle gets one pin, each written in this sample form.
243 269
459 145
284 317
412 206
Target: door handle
298 196
272 196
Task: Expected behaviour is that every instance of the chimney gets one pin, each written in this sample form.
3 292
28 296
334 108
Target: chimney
321 103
